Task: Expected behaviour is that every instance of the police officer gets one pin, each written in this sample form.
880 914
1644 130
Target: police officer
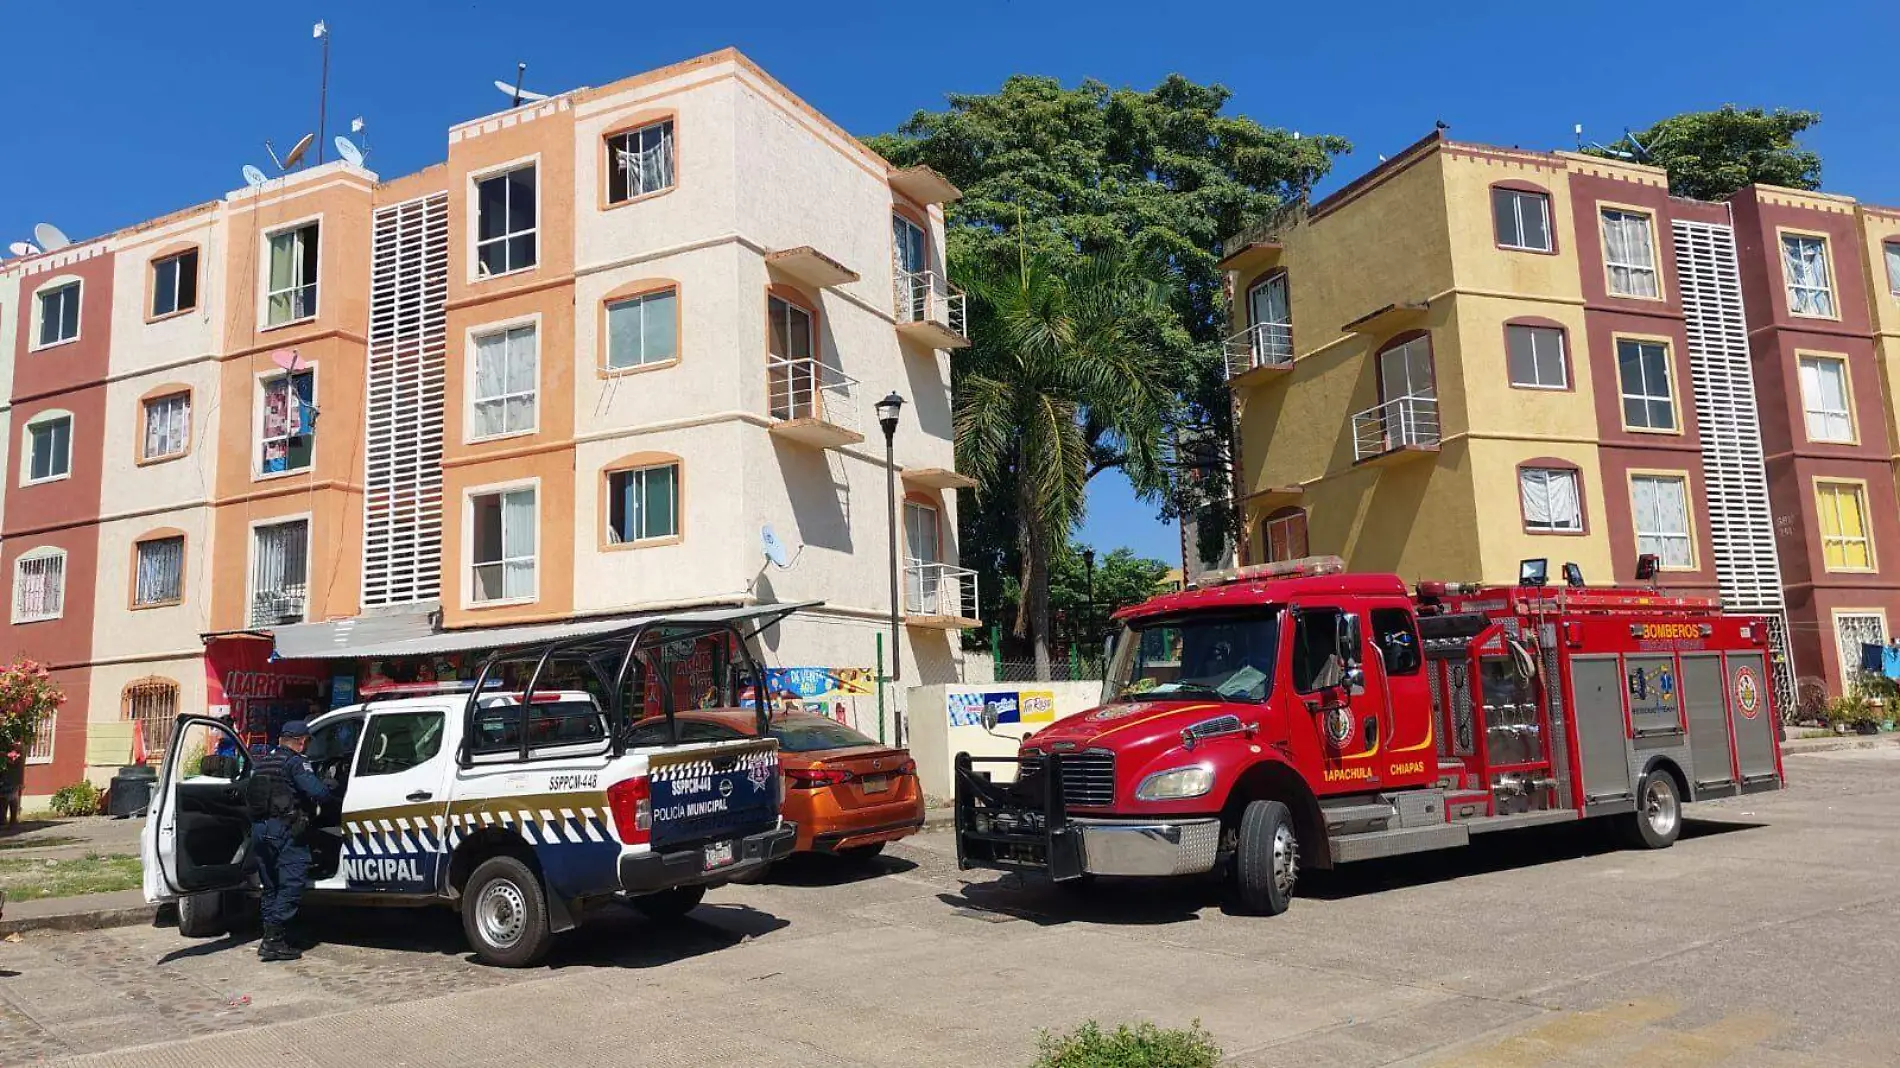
283 795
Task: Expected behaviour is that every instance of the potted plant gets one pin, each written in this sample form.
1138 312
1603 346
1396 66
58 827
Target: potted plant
28 698
1853 713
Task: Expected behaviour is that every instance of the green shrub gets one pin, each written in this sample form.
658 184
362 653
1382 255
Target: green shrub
79 799
1850 710
1141 1046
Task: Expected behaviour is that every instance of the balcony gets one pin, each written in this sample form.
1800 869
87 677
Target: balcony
924 185
270 608
937 478
812 403
1262 351
941 596
930 310
811 267
1400 429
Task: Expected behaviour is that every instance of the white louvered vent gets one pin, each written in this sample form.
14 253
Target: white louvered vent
1741 523
402 456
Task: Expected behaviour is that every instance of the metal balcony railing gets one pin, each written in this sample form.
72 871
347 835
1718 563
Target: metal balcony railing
941 591
1260 345
809 389
1411 420
928 297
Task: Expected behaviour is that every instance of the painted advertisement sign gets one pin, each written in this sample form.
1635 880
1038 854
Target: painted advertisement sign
821 691
1010 706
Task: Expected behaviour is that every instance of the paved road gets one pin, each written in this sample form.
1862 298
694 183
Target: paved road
1767 936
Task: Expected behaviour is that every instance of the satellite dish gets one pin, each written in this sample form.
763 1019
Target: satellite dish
285 359
297 150
23 248
519 95
253 177
774 548
346 148
50 237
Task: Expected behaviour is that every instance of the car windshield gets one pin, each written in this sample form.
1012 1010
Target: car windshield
1228 656
808 734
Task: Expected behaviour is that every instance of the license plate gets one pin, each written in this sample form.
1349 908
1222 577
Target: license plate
876 784
718 855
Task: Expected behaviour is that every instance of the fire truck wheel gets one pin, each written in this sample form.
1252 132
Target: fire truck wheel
1657 821
505 914
1266 859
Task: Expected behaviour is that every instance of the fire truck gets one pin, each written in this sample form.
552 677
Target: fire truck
1291 716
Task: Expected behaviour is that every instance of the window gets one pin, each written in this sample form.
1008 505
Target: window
59 314
550 723
1659 506
39 585
1270 317
167 427
1824 399
1643 369
1283 534
1397 640
279 564
507 372
398 741
1855 629
292 291
287 438
1551 501
504 222
1629 254
1522 218
640 162
49 448
643 504
1535 355
175 283
1892 250
643 329
792 376
1315 640
1846 543
160 577
153 705
1804 261
502 529
40 750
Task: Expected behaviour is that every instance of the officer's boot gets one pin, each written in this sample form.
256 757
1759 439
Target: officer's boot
273 947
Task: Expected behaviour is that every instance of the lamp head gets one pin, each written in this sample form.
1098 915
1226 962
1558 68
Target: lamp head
888 410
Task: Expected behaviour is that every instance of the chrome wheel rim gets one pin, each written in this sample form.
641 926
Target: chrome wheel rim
1660 807
501 913
1286 859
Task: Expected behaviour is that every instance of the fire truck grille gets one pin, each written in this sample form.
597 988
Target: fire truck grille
1088 779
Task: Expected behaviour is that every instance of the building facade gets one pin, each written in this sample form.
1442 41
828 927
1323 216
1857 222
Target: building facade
578 369
1531 355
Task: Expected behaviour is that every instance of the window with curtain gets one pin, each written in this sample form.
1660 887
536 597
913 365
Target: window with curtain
502 529
1642 369
1892 250
175 283
643 503
640 161
1522 218
1536 357
1846 543
287 438
643 329
161 572
507 373
1551 501
1804 260
49 448
1824 399
292 290
1283 534
279 572
39 585
505 222
167 427
1629 253
59 314
1660 515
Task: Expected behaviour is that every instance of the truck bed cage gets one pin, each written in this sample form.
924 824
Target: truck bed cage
1016 826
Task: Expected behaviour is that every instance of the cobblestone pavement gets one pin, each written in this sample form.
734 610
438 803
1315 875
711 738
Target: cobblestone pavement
1764 937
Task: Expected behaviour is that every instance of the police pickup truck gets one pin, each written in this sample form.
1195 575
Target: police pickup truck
520 804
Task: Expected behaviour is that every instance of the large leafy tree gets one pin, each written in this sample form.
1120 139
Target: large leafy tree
1710 154
1071 369
1158 177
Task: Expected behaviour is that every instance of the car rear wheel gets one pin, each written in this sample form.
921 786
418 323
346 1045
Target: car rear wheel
1266 859
670 904
505 914
1657 821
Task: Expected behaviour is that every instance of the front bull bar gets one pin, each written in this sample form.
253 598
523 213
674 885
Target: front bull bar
1016 826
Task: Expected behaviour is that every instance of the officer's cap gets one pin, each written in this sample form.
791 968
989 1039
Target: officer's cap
296 728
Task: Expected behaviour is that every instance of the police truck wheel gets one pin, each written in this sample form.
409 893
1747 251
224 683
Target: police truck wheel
505 914
1266 859
1657 821
201 915
670 904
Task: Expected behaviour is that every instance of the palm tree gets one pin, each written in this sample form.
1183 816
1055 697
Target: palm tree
1064 376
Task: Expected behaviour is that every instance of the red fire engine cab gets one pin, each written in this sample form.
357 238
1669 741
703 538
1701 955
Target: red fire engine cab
1291 716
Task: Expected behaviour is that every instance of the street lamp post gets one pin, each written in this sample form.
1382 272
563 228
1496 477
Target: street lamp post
888 410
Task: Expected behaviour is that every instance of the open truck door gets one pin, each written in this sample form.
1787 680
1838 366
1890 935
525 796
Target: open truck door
197 838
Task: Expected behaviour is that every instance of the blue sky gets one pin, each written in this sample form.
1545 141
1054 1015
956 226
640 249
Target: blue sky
162 110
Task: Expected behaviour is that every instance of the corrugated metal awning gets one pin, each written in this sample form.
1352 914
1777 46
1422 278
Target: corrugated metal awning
351 638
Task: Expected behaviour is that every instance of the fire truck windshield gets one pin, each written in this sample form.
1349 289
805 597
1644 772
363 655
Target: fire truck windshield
1224 656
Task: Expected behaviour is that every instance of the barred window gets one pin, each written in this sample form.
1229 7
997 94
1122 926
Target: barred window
153 705
41 750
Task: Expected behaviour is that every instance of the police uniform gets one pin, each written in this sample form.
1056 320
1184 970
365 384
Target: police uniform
283 794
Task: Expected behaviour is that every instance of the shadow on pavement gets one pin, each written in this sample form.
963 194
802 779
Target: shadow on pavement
1127 902
814 869
210 946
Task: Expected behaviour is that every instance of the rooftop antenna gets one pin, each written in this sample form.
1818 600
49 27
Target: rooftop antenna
298 150
23 248
347 151
1642 150
515 92
322 32
50 238
253 177
1578 130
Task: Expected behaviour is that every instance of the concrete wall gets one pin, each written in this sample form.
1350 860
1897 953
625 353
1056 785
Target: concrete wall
934 742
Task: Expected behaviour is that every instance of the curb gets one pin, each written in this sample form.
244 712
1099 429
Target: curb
1797 746
93 920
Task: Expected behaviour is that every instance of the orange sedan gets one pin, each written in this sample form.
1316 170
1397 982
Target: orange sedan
848 794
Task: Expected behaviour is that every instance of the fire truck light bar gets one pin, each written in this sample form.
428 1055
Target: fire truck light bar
1304 567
